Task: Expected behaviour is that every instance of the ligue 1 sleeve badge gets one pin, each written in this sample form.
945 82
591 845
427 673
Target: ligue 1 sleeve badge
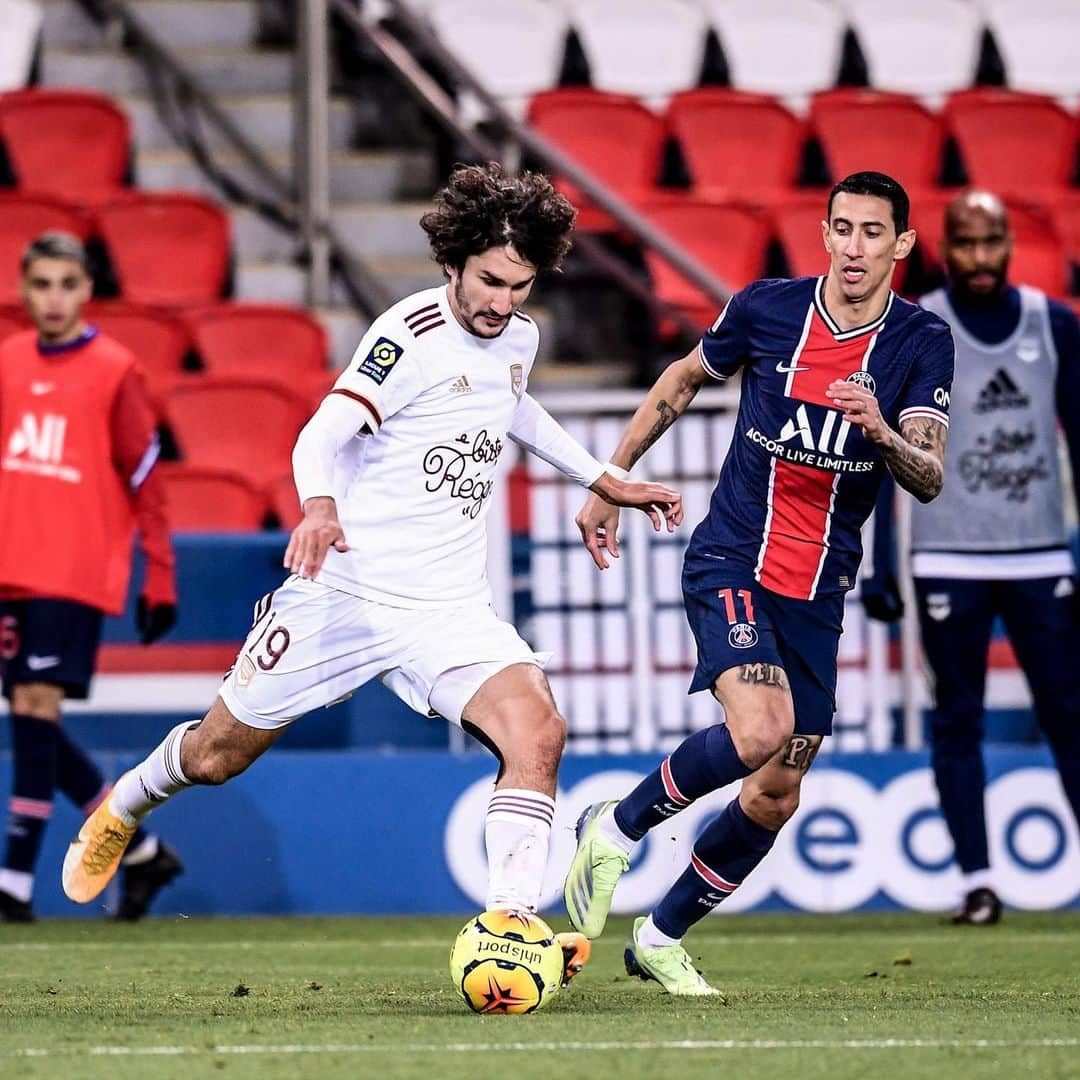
742 635
517 379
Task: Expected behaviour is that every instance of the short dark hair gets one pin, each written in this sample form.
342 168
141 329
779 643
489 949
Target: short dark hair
56 245
884 187
482 207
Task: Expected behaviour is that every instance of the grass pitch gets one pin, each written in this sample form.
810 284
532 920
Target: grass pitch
807 996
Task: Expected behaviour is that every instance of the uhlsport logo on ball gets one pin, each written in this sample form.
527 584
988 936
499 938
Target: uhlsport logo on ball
506 962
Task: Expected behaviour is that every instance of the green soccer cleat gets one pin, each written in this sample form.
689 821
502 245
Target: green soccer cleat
669 965
598 864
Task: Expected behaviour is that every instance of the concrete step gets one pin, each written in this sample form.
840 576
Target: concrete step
346 327
265 119
355 176
385 231
222 70
179 23
401 277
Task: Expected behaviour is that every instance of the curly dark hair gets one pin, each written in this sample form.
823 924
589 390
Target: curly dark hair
482 207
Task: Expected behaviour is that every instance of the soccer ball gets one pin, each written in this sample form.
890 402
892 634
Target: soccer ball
506 962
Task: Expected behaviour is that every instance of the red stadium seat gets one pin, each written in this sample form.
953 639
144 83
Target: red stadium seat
1014 144
890 133
168 248
1066 215
208 499
613 136
797 221
284 501
269 340
158 339
12 319
249 424
23 218
69 143
727 238
737 145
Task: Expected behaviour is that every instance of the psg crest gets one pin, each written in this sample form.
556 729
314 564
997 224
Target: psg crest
742 635
864 380
517 378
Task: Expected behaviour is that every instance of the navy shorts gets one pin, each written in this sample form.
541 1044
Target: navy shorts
735 620
50 641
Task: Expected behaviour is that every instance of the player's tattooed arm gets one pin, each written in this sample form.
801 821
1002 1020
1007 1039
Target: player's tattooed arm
916 457
663 405
763 675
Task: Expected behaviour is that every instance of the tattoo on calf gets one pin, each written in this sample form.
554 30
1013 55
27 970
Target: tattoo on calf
763 675
801 751
668 416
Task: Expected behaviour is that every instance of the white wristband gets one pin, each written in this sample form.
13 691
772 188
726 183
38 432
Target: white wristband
617 471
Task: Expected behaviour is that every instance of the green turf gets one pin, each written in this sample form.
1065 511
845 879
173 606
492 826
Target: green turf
371 998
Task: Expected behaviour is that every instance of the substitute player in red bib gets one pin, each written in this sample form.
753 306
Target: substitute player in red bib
841 381
77 481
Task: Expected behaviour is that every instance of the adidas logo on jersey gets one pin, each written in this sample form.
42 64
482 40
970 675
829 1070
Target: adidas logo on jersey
1001 393
461 386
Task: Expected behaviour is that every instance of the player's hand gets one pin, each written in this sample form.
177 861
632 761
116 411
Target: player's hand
313 537
153 620
860 407
881 598
657 501
599 524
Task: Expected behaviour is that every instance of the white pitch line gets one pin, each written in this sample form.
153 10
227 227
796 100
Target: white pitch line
476 1048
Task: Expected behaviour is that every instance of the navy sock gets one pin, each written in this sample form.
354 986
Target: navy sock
34 759
724 854
701 763
961 782
82 781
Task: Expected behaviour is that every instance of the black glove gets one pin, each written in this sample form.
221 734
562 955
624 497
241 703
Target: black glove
154 620
881 598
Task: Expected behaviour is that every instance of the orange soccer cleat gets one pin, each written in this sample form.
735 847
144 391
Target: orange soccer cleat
576 950
94 855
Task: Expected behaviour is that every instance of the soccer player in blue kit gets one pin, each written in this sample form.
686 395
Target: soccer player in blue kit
842 379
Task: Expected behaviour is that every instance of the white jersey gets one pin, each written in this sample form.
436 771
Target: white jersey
413 496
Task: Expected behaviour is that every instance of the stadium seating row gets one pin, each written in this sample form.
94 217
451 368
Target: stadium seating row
206 498
749 147
165 248
655 48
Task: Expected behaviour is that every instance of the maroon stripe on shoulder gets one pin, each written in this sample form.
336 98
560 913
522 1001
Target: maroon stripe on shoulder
427 320
420 311
430 326
522 317
363 401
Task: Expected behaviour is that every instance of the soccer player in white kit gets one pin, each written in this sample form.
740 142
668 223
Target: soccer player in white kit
395 472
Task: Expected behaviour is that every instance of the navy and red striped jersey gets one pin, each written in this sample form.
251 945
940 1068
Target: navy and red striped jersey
800 480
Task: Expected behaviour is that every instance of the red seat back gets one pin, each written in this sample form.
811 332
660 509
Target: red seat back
269 340
284 502
612 136
1013 143
797 221
11 320
70 143
250 424
160 340
23 218
208 499
728 239
890 133
168 248
737 145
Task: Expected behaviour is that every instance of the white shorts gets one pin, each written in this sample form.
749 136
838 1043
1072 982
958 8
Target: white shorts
311 646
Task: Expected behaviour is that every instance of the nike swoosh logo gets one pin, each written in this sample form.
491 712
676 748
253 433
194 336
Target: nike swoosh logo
40 663
786 367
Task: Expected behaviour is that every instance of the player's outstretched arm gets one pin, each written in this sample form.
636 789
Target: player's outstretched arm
915 455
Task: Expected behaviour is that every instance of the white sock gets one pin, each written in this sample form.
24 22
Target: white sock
152 781
516 835
609 830
978 879
652 938
17 883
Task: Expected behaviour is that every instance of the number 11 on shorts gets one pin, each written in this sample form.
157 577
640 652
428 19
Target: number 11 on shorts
729 595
